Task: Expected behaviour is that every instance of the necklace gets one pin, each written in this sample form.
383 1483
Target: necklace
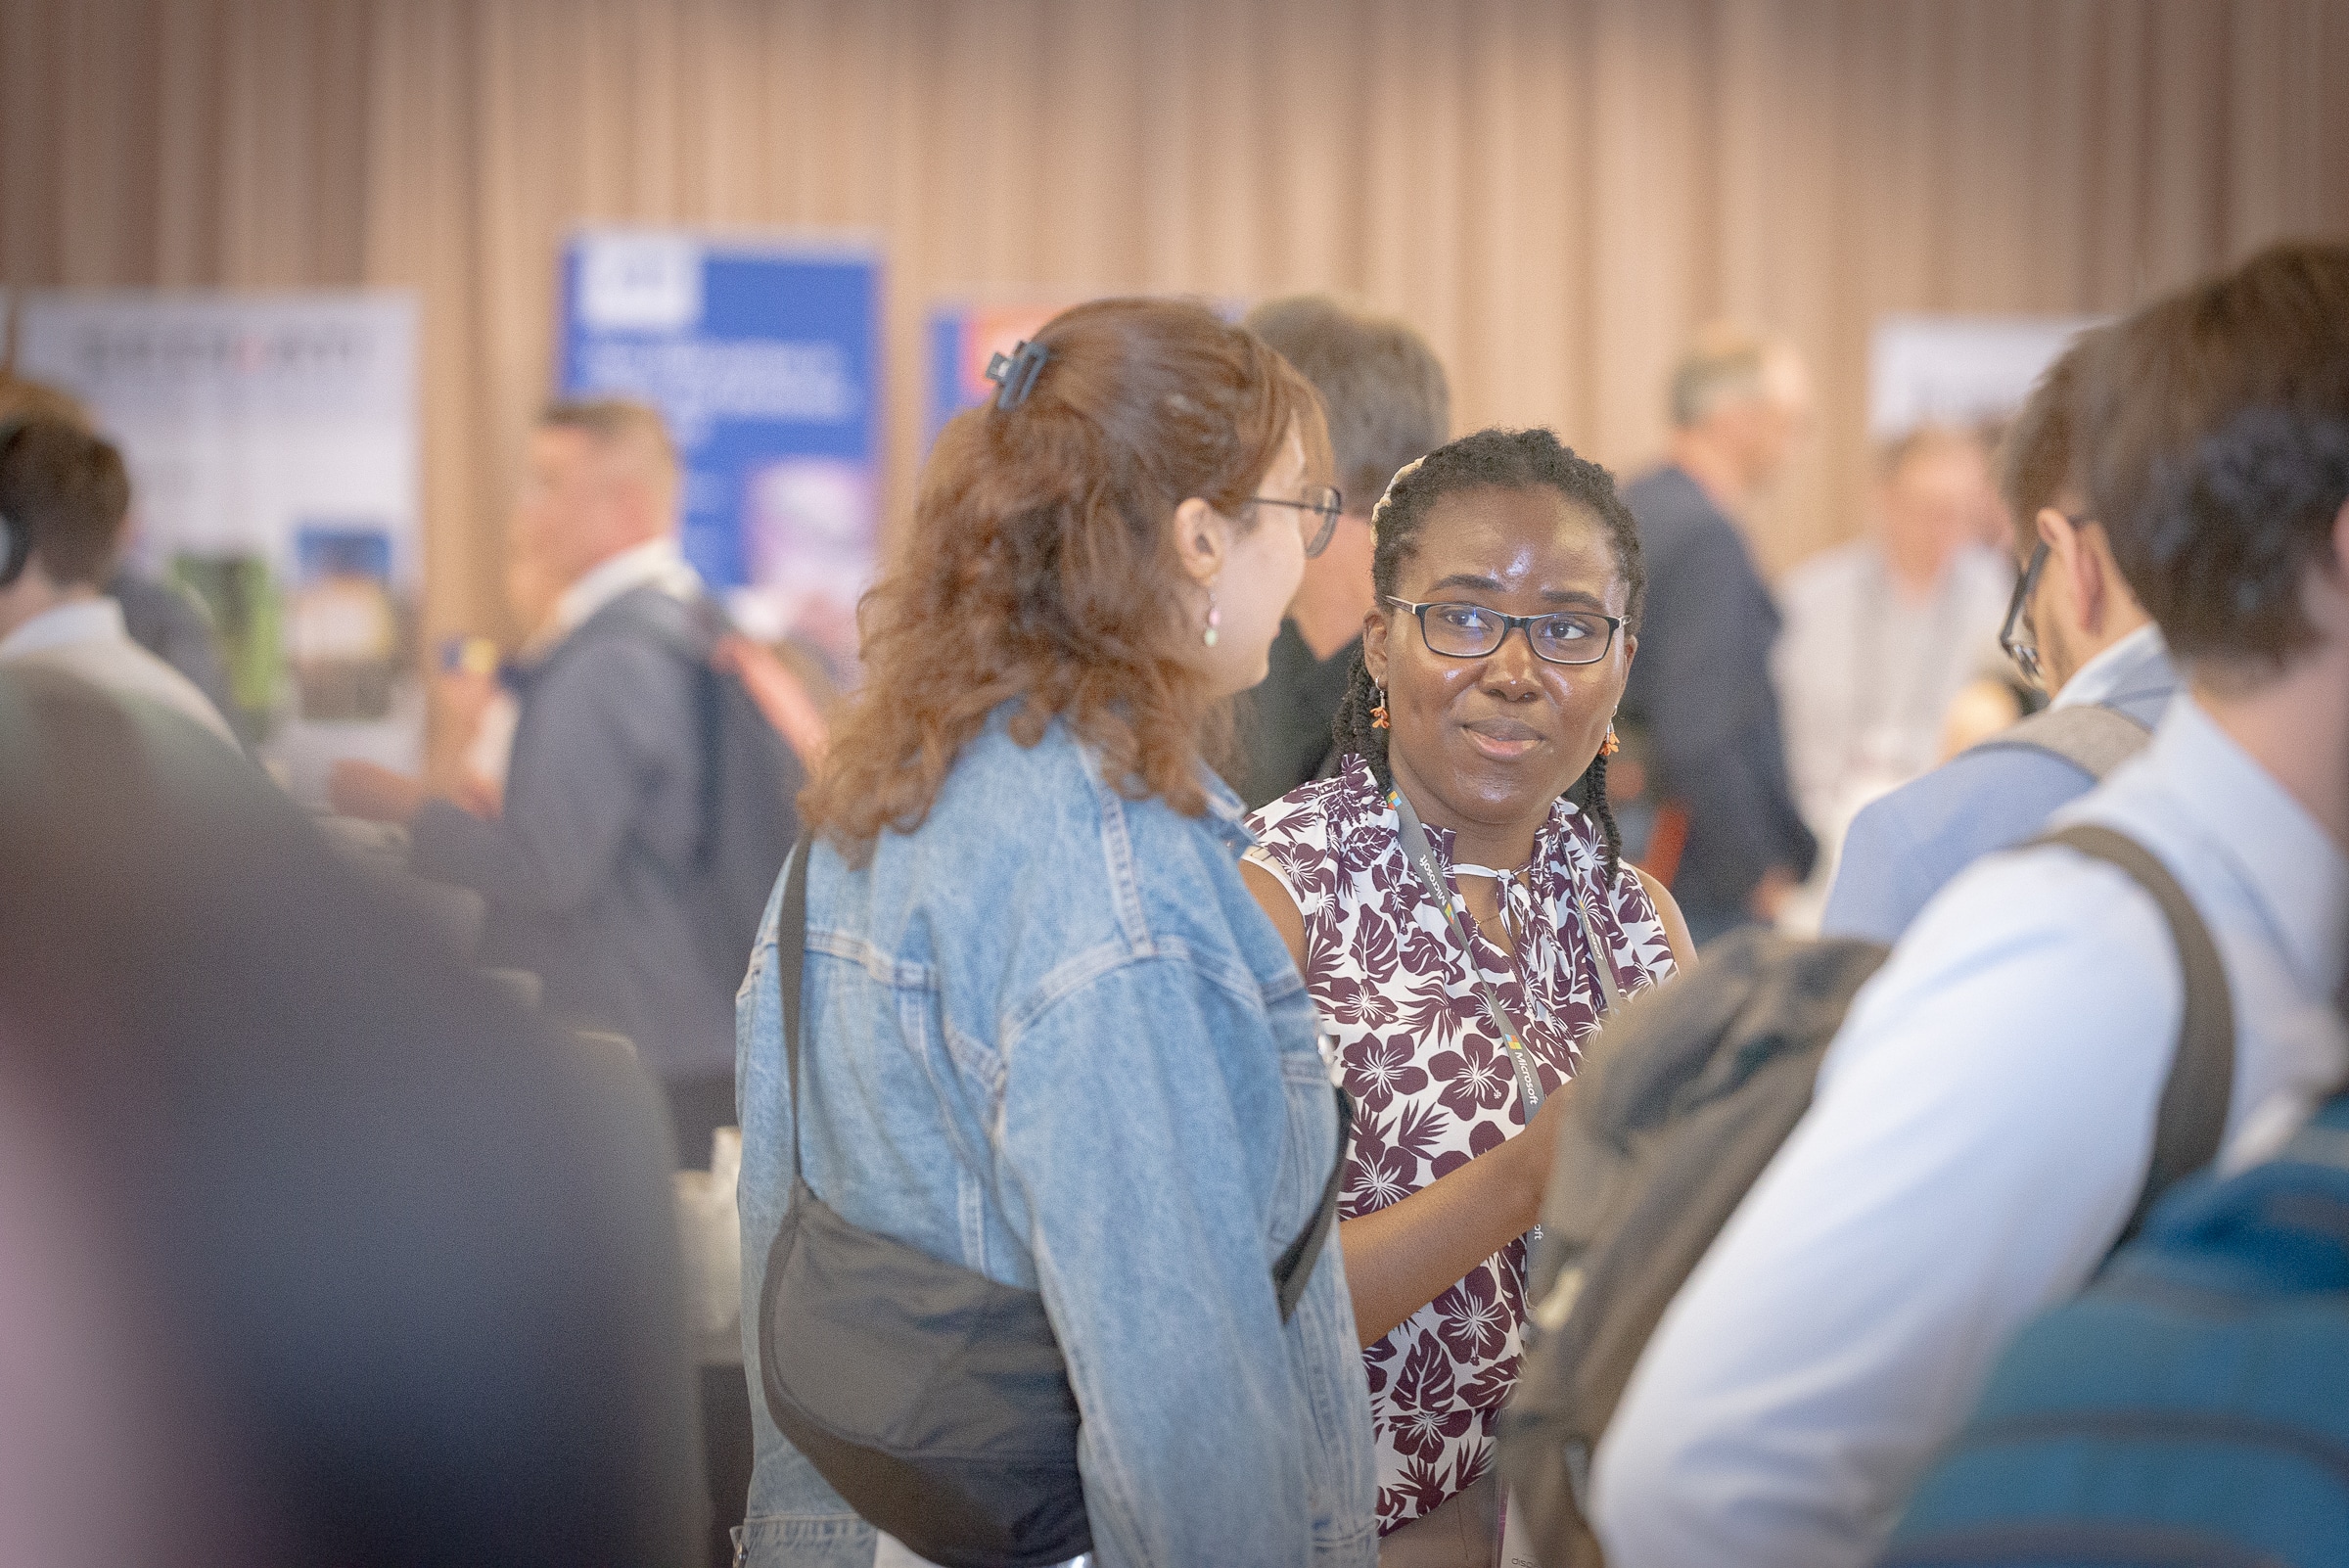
1504 884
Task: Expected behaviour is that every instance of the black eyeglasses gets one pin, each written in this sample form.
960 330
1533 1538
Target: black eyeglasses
1322 500
1472 631
2018 638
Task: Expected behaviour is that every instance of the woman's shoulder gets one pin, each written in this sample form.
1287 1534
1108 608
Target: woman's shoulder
1328 818
1572 844
1577 856
1047 816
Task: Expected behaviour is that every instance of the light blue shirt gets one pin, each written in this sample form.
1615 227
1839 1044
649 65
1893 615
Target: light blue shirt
1982 1126
1905 847
1050 1036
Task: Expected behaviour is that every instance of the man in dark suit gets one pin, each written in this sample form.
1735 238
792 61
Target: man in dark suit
1701 691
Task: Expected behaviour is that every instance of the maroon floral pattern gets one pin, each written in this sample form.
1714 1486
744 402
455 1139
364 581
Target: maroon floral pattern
1432 1082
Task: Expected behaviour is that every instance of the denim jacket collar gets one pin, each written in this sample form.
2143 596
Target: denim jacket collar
1227 813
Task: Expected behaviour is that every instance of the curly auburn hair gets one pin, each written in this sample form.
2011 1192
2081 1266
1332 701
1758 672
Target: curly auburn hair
1041 568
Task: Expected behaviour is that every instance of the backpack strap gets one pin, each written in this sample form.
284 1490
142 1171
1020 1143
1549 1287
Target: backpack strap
2093 739
2192 1118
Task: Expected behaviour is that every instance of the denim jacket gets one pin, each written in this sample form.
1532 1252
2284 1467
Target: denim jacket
1050 1036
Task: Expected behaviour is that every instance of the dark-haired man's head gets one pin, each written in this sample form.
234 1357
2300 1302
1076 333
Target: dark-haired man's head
1388 402
65 496
2215 426
2079 604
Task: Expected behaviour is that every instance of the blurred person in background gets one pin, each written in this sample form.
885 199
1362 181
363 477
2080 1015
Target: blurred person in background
1483 728
2082 633
1729 838
160 616
1388 402
316 1251
590 869
1983 1124
65 497
1047 1036
479 689
1882 633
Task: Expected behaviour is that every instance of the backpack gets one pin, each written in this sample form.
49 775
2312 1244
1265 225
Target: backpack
1684 1100
749 817
748 814
2190 1407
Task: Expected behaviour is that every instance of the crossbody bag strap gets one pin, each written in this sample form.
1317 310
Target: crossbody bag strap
791 953
1293 1270
2192 1118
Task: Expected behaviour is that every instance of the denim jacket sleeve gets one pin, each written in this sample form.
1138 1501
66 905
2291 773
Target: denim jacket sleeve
1134 1124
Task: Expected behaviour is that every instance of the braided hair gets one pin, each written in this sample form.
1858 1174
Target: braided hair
1489 459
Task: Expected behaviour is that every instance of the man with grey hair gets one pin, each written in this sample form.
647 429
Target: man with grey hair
591 870
1388 403
1700 695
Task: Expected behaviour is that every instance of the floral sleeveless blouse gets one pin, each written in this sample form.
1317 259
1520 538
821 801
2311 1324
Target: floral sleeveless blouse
1431 1078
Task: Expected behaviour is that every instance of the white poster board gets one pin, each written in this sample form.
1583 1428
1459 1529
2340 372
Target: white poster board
272 446
1957 370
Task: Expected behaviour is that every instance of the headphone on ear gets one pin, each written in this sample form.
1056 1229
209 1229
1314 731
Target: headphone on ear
16 543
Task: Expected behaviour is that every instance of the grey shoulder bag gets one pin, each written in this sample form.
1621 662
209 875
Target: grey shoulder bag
934 1400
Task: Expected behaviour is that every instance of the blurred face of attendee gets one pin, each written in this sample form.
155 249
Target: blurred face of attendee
531 586
1336 591
1247 575
1930 508
1764 430
582 501
1485 745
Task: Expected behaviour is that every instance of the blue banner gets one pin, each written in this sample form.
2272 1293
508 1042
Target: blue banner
764 356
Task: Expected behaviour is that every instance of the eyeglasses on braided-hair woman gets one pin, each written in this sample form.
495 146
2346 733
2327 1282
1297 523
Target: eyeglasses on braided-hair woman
1509 581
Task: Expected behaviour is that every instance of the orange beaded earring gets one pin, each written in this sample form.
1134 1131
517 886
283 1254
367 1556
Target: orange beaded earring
1610 746
1378 715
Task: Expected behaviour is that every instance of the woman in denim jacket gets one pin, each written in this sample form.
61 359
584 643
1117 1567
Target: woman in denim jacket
1049 1035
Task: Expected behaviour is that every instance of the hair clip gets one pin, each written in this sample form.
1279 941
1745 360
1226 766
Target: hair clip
1016 372
1387 496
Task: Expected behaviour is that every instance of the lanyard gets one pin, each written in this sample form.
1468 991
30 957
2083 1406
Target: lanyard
1422 856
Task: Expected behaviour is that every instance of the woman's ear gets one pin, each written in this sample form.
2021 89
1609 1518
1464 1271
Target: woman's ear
1374 646
1202 540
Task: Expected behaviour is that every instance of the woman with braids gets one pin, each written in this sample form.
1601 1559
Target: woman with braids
1508 582
1048 1037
